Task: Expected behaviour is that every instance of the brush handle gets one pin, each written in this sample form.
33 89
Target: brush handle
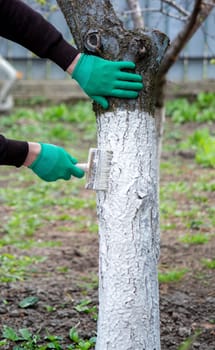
83 166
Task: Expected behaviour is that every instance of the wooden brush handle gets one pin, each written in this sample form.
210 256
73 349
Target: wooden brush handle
83 166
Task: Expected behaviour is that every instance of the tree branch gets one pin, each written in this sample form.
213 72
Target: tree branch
154 9
200 12
136 13
179 18
176 6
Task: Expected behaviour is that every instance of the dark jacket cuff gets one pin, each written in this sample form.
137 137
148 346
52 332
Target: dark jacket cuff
12 152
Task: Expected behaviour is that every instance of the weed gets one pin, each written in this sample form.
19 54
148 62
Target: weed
89 282
205 100
171 276
201 110
27 243
210 264
22 224
168 226
204 146
187 344
175 187
23 337
198 238
79 343
25 340
13 268
50 308
195 224
86 307
28 302
63 269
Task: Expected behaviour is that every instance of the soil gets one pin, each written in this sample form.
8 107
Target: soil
187 307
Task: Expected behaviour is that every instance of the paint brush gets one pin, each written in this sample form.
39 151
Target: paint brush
97 169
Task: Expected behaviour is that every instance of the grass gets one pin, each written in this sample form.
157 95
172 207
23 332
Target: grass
196 210
88 282
200 111
187 344
13 268
203 143
209 263
197 238
27 243
171 276
86 306
32 204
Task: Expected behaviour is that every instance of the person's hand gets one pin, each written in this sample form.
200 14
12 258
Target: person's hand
99 77
55 163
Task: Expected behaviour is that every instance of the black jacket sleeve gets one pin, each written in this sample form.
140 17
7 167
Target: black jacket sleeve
21 24
12 152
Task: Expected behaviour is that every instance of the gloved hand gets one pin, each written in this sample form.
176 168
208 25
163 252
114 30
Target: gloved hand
99 78
55 163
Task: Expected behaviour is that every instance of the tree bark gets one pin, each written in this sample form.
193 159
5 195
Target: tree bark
128 212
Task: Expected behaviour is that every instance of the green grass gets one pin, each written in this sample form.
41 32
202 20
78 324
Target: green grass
88 282
31 204
209 263
187 344
201 110
171 276
49 123
195 197
203 143
26 244
13 268
87 307
198 238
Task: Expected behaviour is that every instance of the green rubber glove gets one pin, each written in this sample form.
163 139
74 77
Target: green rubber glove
55 163
99 78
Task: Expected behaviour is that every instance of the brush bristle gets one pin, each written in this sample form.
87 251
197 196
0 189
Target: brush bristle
99 169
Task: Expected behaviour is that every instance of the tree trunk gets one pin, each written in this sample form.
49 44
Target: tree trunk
128 212
129 234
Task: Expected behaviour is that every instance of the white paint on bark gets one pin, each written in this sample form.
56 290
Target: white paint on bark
129 234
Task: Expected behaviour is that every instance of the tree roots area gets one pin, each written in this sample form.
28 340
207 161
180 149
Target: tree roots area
49 277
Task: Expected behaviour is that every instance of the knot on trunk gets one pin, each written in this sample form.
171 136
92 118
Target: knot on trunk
138 47
92 41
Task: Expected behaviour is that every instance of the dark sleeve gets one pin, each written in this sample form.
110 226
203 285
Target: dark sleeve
21 24
12 152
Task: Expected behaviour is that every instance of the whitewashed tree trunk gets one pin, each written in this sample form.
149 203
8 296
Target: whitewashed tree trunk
129 234
128 212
